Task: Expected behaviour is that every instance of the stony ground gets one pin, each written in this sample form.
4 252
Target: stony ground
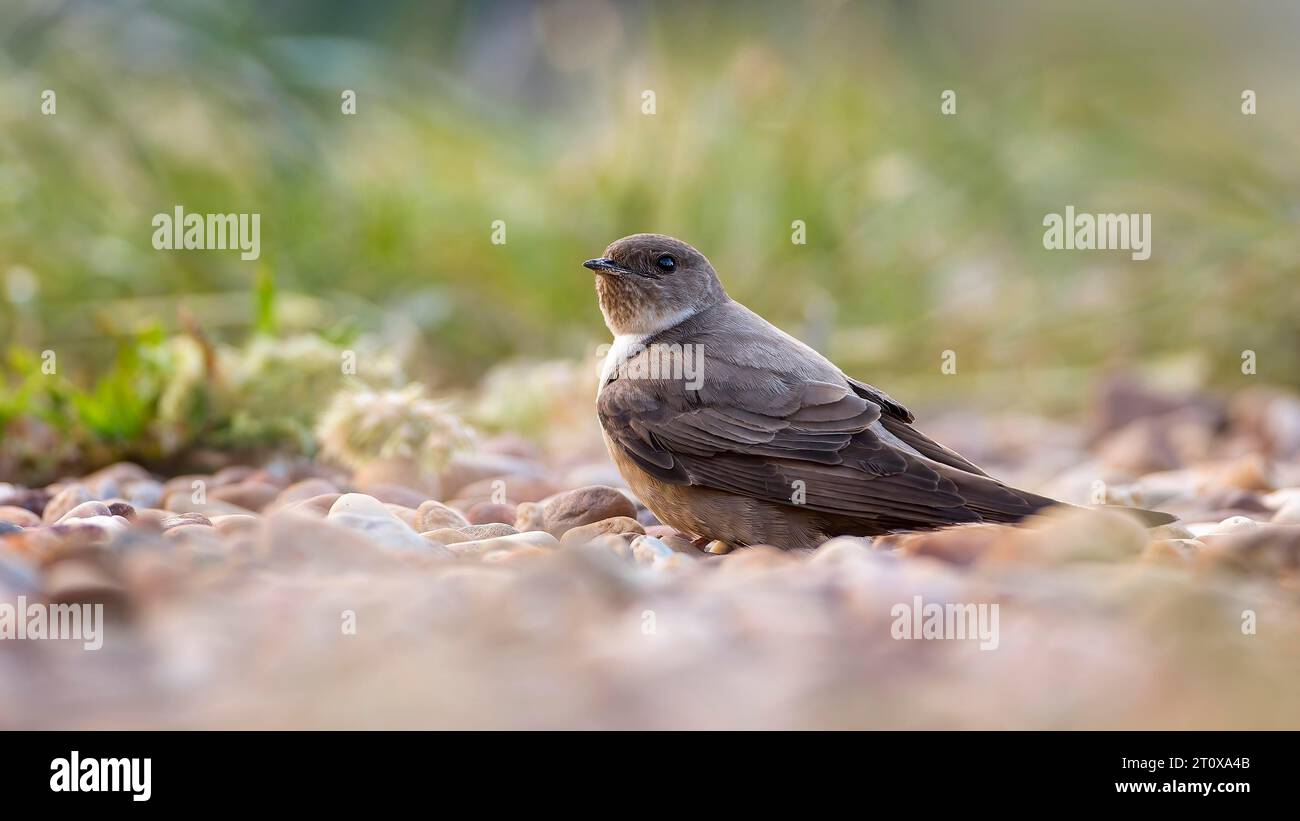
519 590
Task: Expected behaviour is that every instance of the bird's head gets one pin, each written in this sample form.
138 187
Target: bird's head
649 282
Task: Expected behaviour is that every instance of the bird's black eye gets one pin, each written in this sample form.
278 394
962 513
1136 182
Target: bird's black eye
666 262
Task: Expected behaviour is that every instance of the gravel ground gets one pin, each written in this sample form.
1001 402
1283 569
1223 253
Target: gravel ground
520 590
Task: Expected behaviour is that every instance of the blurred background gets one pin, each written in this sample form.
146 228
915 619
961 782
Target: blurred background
924 232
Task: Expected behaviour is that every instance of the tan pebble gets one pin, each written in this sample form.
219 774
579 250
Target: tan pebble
406 514
232 475
318 506
85 510
445 535
187 483
301 492
186 519
678 543
152 517
1279 499
82 581
65 500
620 544
616 524
183 501
434 515
235 523
1063 534
1248 473
530 516
758 556
574 508
1173 530
20 516
1176 550
717 548
959 545
483 513
251 495
478 547
189 530
514 488
1288 514
526 551
489 531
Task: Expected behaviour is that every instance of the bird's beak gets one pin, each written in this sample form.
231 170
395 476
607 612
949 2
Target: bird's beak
606 265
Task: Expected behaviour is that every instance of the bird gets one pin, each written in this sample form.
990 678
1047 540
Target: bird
769 442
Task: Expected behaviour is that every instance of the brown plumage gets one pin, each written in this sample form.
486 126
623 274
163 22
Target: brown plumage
770 443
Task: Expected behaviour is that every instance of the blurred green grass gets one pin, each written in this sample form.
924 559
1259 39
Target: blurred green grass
924 231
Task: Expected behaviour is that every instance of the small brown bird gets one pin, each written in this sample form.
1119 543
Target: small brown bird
729 428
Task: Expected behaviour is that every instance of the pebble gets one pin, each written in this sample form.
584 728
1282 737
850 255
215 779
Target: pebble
250 495
585 505
182 501
1235 524
119 507
482 513
445 535
83 581
367 514
86 510
360 504
434 515
488 531
530 516
630 608
585 533
231 523
144 493
1288 514
64 501
406 514
513 488
386 531
301 492
648 550
186 519
531 541
316 505
20 516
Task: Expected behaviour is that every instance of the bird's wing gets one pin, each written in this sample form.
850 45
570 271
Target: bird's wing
898 420
776 434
